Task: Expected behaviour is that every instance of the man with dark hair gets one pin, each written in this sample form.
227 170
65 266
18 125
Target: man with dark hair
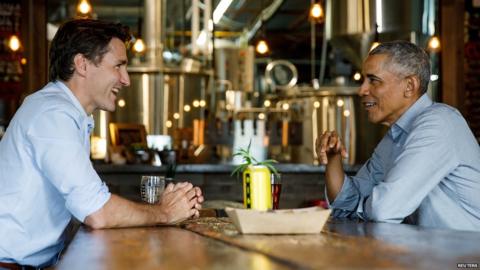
45 172
426 170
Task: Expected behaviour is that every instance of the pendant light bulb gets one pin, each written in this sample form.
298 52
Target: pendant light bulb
262 47
139 46
434 44
316 11
14 43
84 7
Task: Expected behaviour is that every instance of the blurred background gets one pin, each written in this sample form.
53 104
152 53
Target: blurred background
210 76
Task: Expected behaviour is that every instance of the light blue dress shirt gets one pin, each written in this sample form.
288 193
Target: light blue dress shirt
426 168
45 175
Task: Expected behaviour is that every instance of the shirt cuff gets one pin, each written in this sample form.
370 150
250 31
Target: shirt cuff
88 200
348 197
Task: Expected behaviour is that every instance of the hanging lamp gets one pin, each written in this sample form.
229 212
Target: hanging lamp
262 45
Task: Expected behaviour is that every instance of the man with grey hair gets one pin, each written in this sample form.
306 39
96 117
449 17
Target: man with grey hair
426 169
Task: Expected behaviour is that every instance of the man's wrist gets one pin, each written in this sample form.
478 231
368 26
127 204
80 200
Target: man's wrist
161 215
334 156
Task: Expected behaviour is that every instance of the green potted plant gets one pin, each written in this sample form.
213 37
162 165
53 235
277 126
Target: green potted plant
249 160
257 192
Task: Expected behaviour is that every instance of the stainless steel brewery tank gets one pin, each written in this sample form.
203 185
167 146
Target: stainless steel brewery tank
143 100
236 65
314 111
330 108
158 98
351 25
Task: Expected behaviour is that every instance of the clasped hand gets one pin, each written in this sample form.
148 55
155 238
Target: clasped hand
329 146
181 201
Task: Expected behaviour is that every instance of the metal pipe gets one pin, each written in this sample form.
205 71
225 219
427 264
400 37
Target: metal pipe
206 26
323 56
312 46
195 26
264 16
153 32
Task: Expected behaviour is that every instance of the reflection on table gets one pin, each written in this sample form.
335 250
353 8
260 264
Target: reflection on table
214 243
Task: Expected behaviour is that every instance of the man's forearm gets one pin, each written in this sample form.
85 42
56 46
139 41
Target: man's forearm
119 212
334 175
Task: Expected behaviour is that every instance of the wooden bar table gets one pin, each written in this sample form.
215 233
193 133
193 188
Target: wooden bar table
156 248
214 243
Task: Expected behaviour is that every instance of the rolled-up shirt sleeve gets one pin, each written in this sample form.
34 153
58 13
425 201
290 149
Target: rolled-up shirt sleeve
61 155
347 199
356 189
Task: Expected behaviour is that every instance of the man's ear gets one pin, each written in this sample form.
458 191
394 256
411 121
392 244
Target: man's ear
412 86
80 63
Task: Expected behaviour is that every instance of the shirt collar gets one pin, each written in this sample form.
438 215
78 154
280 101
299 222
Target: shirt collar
404 123
72 97
88 120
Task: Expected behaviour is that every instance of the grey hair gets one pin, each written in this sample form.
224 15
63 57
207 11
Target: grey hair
408 59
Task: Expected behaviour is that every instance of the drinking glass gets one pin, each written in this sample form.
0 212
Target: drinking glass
151 188
276 180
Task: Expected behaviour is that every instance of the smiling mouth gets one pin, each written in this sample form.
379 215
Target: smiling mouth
115 91
369 105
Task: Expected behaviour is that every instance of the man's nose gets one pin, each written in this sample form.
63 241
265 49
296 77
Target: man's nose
363 89
125 79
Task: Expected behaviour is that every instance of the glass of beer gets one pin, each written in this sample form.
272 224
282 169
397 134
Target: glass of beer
276 180
151 188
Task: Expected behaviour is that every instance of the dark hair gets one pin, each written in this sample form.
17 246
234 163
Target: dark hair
408 59
84 36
